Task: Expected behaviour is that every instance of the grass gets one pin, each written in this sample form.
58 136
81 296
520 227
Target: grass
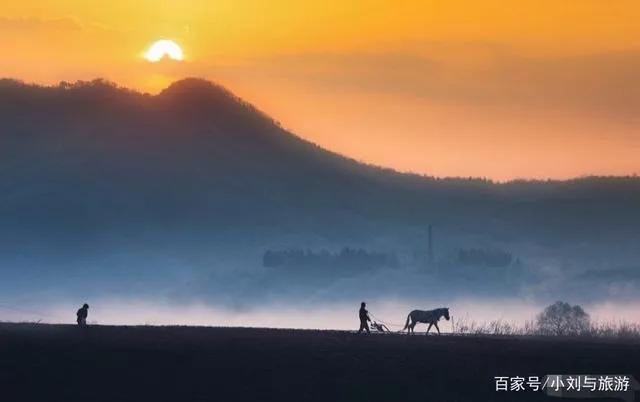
610 329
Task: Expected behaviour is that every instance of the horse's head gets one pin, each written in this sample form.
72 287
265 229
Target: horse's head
445 313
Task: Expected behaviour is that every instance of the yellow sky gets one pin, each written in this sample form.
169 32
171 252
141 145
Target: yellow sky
499 89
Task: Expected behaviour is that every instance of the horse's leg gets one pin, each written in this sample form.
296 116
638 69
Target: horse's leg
430 324
436 324
412 326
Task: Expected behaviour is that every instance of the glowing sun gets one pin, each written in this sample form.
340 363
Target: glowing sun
163 48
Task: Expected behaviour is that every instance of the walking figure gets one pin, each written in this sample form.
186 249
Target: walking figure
364 318
82 314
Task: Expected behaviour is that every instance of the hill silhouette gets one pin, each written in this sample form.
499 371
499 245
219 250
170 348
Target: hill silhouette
93 171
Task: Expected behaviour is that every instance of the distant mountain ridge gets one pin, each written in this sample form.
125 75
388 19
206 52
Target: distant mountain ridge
91 160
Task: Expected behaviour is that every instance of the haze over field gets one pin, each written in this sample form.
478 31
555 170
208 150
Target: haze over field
192 206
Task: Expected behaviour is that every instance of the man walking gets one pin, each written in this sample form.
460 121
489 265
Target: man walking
82 314
364 318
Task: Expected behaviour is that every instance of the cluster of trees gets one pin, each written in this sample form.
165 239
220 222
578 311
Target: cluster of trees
349 258
484 257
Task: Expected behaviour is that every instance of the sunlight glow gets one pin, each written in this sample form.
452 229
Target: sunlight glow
164 48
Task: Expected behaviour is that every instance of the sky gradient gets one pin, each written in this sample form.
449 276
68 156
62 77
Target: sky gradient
504 90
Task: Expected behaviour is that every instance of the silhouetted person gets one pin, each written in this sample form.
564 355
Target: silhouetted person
82 314
364 318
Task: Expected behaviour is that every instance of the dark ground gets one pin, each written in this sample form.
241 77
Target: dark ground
106 363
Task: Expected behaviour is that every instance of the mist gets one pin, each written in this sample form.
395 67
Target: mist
193 207
336 316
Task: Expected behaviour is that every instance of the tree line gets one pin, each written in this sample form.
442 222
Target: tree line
348 258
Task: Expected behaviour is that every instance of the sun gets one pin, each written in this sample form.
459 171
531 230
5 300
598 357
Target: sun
164 48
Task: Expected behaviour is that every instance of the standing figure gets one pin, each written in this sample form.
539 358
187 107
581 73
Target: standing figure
82 314
364 318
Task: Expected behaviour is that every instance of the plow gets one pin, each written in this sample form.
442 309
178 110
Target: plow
377 327
381 326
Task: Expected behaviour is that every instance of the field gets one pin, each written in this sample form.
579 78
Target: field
115 363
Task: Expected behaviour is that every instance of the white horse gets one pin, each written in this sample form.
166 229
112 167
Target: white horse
430 317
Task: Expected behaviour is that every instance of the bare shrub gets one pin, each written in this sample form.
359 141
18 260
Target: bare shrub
561 318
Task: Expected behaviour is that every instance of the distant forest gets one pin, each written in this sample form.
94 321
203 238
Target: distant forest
484 257
347 258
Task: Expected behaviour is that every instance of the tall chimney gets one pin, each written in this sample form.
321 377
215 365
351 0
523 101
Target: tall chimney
430 251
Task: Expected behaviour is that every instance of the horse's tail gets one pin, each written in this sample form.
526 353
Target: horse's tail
406 324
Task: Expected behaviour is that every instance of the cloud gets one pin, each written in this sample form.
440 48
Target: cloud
602 84
33 25
70 50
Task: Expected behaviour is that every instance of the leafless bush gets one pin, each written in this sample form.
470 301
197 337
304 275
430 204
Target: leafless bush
561 318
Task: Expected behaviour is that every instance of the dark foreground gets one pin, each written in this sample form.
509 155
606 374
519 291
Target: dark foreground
64 363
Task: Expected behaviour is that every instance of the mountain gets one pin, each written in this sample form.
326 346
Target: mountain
92 171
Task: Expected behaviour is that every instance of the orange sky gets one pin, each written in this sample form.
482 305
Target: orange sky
451 88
